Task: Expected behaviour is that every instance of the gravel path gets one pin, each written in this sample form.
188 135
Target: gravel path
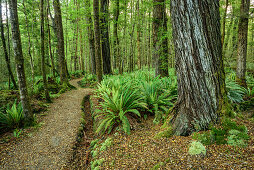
51 146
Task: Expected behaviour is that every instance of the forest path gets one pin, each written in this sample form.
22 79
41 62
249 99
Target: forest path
51 146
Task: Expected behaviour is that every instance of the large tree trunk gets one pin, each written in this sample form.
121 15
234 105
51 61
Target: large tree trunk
105 37
60 42
90 33
199 64
43 69
97 40
5 49
160 39
19 59
242 43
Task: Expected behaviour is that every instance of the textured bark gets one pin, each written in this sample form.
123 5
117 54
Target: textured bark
160 41
105 37
224 23
90 33
19 60
115 35
242 42
199 64
97 40
43 69
5 49
60 42
131 56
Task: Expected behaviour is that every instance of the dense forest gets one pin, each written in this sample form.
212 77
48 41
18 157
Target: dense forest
169 78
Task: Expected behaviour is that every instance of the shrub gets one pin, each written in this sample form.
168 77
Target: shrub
197 148
13 117
116 103
237 138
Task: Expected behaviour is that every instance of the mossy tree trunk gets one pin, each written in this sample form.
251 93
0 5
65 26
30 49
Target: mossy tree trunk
199 65
19 60
242 42
160 40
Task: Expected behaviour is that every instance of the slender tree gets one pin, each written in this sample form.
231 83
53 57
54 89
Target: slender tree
242 42
105 37
224 22
43 69
115 35
97 40
19 59
60 42
5 49
90 33
160 41
199 65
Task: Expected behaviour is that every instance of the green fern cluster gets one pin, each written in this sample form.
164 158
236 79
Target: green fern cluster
129 94
12 117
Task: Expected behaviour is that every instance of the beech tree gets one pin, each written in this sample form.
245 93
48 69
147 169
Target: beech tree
199 65
19 60
242 42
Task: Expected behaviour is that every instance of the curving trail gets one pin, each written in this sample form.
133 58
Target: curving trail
51 146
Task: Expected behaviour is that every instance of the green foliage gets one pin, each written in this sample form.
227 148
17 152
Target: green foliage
130 94
116 103
229 132
107 143
88 80
237 138
197 148
16 133
13 117
235 91
96 164
76 74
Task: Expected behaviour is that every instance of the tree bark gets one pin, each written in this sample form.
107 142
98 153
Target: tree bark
19 59
138 36
199 65
242 43
160 39
43 69
105 37
115 34
90 33
5 49
224 23
97 40
60 42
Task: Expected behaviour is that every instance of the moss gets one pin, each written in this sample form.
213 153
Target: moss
197 148
165 133
157 166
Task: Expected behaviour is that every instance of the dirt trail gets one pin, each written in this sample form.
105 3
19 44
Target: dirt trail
51 146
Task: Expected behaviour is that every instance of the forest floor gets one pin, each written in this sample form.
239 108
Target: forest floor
51 145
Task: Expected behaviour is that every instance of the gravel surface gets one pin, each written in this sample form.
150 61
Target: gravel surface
51 146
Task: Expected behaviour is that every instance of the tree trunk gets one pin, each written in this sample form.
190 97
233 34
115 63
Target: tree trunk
49 43
5 49
105 37
160 39
138 36
90 33
60 42
115 34
199 65
43 69
224 23
97 40
19 59
242 43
